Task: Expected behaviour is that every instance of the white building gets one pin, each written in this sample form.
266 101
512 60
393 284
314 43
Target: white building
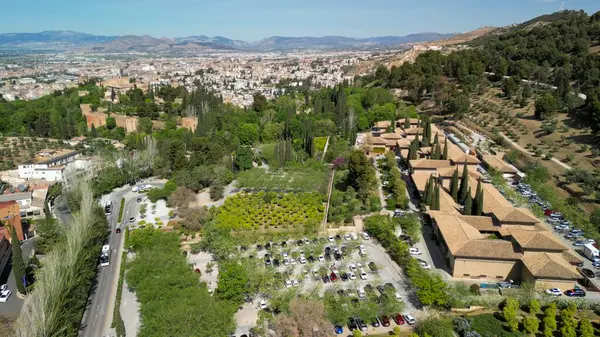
47 165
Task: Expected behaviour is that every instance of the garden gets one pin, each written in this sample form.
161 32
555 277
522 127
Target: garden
308 177
271 210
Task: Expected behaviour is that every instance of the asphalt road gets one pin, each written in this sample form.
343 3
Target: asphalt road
99 312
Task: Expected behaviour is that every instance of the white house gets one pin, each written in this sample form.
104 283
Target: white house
47 165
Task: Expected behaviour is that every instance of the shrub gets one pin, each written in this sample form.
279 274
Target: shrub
475 289
534 306
530 324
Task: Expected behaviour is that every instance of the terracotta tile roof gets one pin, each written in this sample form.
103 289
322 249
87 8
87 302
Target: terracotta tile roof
482 223
401 121
425 150
403 143
512 214
383 124
498 164
536 240
447 204
414 131
448 172
571 257
379 141
393 136
420 180
489 249
472 160
428 163
455 232
550 266
400 131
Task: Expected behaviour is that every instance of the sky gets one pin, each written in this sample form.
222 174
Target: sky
252 20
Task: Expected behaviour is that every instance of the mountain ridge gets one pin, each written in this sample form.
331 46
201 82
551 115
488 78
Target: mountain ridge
68 40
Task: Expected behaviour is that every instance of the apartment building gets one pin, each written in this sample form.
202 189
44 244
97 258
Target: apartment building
47 165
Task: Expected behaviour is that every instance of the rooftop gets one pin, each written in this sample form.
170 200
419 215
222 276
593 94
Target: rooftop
549 266
50 156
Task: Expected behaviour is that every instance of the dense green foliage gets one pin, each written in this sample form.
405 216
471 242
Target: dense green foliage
264 210
18 264
173 301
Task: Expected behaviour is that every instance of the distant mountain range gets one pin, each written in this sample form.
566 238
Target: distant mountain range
75 41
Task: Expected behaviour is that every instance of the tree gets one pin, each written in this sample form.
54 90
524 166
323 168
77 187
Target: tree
361 174
454 185
445 155
248 133
244 158
478 209
216 191
534 306
550 317
232 282
509 87
585 327
531 325
435 203
468 204
18 264
464 185
181 197
458 105
509 312
111 123
93 132
426 196
595 218
259 102
144 125
406 123
546 106
306 318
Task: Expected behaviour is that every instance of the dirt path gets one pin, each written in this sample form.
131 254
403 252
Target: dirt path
520 148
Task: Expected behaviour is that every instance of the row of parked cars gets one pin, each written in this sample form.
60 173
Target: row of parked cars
577 292
356 323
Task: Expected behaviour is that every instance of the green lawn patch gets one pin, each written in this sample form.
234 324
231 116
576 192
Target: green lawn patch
310 177
121 210
489 325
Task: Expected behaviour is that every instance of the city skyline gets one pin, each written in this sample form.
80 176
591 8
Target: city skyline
255 20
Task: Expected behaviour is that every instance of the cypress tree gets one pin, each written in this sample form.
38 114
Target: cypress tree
438 151
435 204
93 132
464 184
417 139
426 190
430 191
478 202
406 123
445 155
18 264
454 185
468 203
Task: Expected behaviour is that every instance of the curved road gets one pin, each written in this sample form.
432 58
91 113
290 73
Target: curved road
98 315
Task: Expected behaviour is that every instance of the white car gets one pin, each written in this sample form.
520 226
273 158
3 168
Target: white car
398 297
4 295
295 283
361 293
3 287
288 284
263 304
408 317
352 276
415 251
321 258
132 219
293 261
302 260
135 189
363 274
331 238
366 236
354 236
424 264
554 292
352 267
347 237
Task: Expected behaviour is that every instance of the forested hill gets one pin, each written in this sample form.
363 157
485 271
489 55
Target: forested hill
560 49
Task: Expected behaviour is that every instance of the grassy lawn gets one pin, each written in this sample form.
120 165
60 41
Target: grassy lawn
488 325
301 178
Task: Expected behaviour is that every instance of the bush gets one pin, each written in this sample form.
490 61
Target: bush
530 324
475 289
121 210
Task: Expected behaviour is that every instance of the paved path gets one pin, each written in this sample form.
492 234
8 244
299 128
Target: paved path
130 311
382 199
522 149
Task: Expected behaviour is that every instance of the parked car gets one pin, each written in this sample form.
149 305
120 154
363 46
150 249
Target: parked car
338 329
132 219
408 317
587 273
352 324
385 320
415 251
399 319
331 238
372 266
326 279
365 236
263 304
5 295
361 325
424 264
363 274
376 323
554 292
577 292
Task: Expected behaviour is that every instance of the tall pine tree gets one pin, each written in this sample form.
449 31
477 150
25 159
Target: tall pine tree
454 185
426 190
468 203
430 191
406 123
478 202
18 264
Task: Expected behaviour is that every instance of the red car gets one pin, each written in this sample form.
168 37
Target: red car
548 212
399 319
385 320
333 277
